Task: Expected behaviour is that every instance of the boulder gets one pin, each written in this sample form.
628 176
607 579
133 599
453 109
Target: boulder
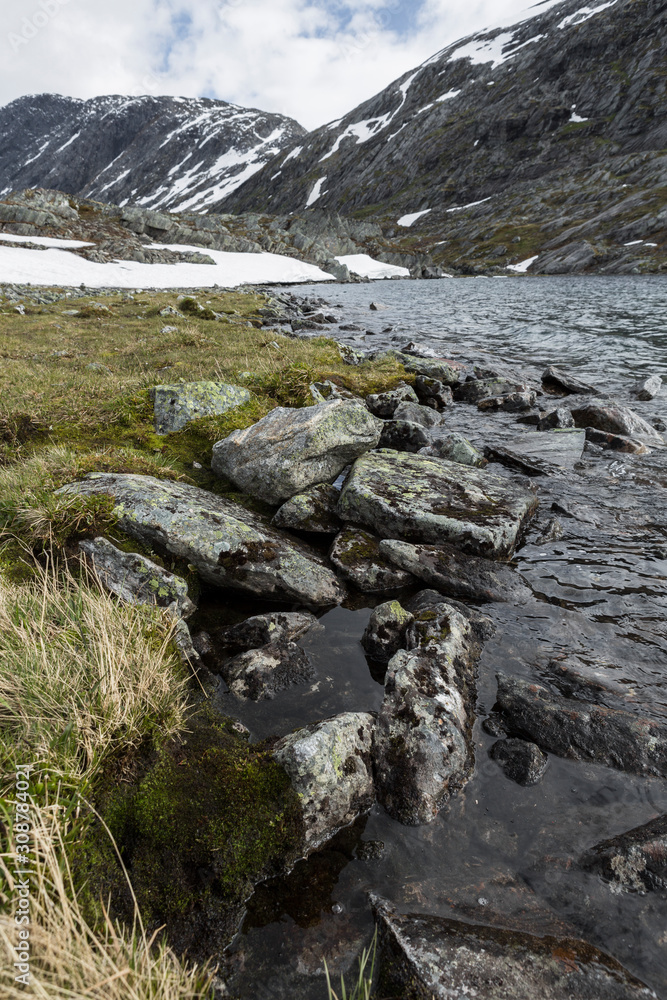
315 511
423 748
177 405
229 546
521 762
135 579
429 500
417 414
259 674
511 402
455 448
454 574
484 388
634 862
290 450
614 418
356 556
260 630
556 380
436 958
648 388
558 419
383 404
403 435
386 630
330 768
432 392
615 442
448 372
581 731
540 452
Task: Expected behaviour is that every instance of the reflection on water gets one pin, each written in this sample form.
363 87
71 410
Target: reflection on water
499 851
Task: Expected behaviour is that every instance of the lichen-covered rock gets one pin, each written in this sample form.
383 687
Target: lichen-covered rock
383 404
511 402
136 579
177 405
423 499
356 556
316 511
448 372
229 546
634 862
330 767
522 762
259 674
615 418
435 958
290 450
403 435
483 388
432 392
556 380
455 448
426 416
455 574
582 731
386 631
258 631
423 748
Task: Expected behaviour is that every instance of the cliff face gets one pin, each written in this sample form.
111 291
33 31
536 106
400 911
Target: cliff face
557 126
161 152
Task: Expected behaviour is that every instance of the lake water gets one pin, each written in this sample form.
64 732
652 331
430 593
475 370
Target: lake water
499 851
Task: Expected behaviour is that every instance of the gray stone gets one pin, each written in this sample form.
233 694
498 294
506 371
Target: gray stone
384 404
290 450
559 419
229 546
422 499
455 574
386 630
614 418
455 448
556 380
433 392
259 674
521 762
356 556
136 579
448 372
615 442
315 510
417 414
330 767
581 731
177 405
540 452
485 388
634 862
437 958
423 748
260 630
648 388
403 435
511 402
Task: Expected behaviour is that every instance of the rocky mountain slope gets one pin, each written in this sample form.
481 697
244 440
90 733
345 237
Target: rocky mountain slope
543 139
160 152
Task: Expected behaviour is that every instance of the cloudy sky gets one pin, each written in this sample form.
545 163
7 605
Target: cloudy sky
311 59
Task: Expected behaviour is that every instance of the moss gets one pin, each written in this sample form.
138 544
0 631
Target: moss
356 546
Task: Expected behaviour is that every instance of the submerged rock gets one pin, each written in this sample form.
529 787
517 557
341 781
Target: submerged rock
290 450
615 442
634 862
557 419
330 767
434 958
556 380
356 556
229 546
582 731
177 405
521 761
386 631
455 448
258 631
136 579
315 511
423 499
383 404
648 388
423 747
259 674
455 574
403 435
614 418
539 452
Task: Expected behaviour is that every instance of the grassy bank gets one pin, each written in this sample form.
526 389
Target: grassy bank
92 692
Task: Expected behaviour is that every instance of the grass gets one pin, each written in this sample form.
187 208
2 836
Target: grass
362 988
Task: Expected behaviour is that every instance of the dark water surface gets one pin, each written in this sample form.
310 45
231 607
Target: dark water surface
497 850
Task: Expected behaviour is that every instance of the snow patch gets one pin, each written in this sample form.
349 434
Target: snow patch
523 266
408 220
48 241
293 154
584 14
316 192
68 143
485 50
366 267
473 204
448 96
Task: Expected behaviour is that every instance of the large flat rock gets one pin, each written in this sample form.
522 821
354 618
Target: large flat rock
290 450
177 405
423 499
230 546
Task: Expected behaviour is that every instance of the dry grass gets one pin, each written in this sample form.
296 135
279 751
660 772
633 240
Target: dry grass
72 960
81 676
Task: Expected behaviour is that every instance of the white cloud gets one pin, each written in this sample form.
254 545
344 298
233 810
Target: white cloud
311 59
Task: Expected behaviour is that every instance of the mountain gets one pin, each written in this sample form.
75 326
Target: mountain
545 139
160 152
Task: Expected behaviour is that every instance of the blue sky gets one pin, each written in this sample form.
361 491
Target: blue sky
313 60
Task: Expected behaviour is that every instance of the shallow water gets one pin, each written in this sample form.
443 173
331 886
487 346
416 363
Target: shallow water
498 850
